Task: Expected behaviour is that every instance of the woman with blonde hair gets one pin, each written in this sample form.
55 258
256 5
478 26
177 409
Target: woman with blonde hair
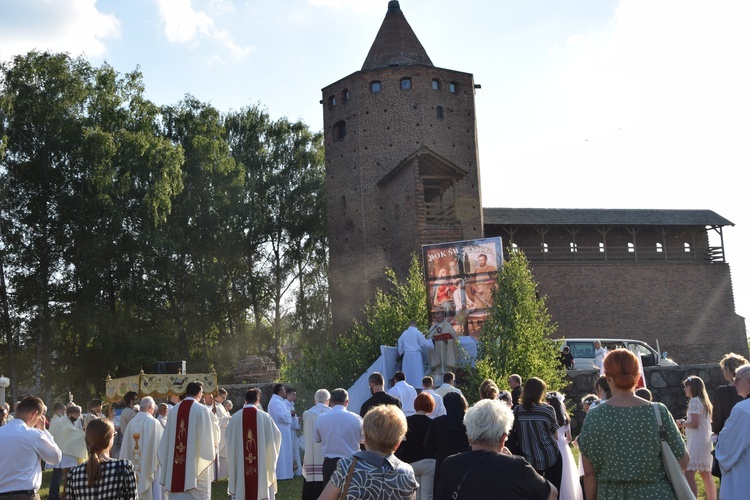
101 478
620 442
698 433
375 473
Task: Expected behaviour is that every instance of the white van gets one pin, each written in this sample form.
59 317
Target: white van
583 352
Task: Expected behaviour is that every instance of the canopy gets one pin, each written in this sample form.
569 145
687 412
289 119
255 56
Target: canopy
159 385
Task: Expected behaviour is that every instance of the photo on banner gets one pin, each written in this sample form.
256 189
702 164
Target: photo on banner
460 277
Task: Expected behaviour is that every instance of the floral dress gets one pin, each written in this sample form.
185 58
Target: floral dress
699 439
623 445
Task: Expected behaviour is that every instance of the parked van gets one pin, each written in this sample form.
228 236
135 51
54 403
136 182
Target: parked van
583 352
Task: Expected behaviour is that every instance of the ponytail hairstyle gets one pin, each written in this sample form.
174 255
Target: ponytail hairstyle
698 390
99 434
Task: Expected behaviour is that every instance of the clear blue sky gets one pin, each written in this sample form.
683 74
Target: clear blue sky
610 104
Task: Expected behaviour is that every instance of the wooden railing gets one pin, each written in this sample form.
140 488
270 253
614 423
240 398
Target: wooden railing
620 254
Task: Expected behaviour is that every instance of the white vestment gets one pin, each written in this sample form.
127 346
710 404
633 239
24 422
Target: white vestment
224 417
313 469
410 345
407 394
282 417
733 453
268 440
140 445
71 440
202 441
296 455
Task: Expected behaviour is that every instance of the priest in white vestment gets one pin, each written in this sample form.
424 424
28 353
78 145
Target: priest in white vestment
283 419
253 444
188 447
312 470
224 417
291 397
140 445
410 345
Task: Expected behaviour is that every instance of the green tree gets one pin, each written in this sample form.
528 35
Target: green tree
341 363
516 338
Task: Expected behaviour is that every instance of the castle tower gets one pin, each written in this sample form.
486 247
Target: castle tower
401 164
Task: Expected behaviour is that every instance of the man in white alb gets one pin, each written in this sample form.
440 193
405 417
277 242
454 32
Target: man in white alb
283 418
410 345
140 445
253 443
188 447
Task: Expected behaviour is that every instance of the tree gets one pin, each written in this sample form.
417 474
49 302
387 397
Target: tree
516 338
341 363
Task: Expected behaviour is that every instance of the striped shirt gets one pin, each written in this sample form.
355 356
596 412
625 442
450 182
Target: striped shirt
535 429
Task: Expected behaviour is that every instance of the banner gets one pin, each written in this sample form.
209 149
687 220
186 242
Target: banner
460 277
158 385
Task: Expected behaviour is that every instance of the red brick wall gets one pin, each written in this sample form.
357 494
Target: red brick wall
688 307
366 234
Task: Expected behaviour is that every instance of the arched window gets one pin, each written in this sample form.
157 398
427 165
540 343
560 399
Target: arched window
439 112
453 88
345 96
339 130
375 86
405 83
435 84
332 101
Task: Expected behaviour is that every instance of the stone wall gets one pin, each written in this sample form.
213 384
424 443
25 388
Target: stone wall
665 383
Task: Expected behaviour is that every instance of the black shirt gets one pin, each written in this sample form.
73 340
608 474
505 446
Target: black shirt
377 399
496 476
566 360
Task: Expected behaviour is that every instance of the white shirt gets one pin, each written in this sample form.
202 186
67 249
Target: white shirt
407 394
446 388
23 448
339 431
599 358
439 406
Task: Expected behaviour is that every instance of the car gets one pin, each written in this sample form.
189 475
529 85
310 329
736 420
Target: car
583 351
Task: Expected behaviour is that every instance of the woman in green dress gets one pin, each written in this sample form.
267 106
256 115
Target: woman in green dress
620 444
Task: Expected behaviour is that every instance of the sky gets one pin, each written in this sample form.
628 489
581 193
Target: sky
584 103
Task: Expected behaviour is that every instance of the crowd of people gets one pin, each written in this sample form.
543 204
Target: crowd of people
406 442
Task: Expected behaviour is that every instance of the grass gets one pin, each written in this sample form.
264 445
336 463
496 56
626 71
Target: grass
288 490
292 488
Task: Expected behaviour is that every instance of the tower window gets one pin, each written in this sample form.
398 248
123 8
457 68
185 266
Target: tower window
405 83
345 95
435 84
332 101
453 88
339 130
439 112
375 87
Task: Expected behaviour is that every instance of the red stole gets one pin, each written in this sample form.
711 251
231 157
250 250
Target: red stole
250 451
180 446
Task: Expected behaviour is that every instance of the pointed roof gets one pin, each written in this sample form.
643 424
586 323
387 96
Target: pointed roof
396 44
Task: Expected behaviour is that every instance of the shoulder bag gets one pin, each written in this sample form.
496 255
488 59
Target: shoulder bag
349 474
671 466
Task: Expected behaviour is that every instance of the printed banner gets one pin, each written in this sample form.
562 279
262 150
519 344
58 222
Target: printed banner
158 385
460 277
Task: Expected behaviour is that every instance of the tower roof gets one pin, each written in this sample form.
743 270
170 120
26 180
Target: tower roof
395 44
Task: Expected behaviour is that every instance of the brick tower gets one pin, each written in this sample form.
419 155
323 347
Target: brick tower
401 164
